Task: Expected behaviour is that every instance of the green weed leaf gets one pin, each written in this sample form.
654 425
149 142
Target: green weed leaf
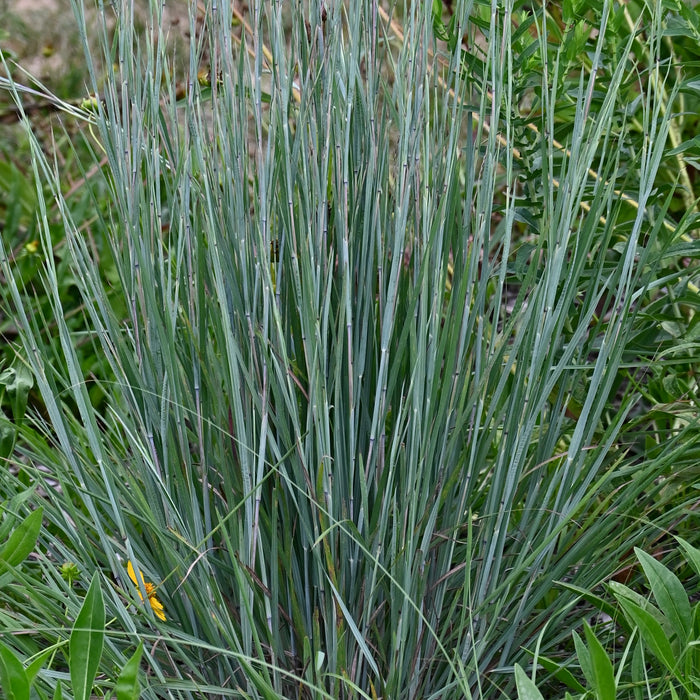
692 554
23 540
584 659
128 683
527 690
669 594
651 632
13 679
86 641
18 382
601 667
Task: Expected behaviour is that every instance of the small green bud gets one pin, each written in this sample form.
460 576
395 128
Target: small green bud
70 572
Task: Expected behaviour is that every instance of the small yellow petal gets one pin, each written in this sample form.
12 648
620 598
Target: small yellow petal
132 573
156 605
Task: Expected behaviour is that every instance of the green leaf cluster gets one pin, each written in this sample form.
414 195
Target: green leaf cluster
660 656
85 642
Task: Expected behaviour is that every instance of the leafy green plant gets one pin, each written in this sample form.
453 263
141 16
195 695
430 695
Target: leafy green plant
85 641
661 648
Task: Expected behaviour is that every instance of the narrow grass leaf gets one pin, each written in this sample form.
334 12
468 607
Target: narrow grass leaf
86 641
356 632
669 594
259 681
23 540
35 666
395 355
13 678
561 673
597 602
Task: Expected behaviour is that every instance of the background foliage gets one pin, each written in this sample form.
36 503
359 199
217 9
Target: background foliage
368 337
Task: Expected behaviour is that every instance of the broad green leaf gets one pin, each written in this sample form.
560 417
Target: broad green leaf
23 540
86 640
18 382
584 659
567 11
692 554
527 690
651 632
13 678
58 693
619 590
8 431
128 687
13 506
601 667
669 594
438 25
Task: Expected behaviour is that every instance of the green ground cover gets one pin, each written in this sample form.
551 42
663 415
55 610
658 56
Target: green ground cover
360 341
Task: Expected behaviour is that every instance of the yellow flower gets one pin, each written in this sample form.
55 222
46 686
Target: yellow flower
150 592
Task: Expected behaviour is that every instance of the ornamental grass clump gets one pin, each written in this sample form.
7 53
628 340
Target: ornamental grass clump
373 351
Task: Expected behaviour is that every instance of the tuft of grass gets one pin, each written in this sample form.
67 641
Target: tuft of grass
376 355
